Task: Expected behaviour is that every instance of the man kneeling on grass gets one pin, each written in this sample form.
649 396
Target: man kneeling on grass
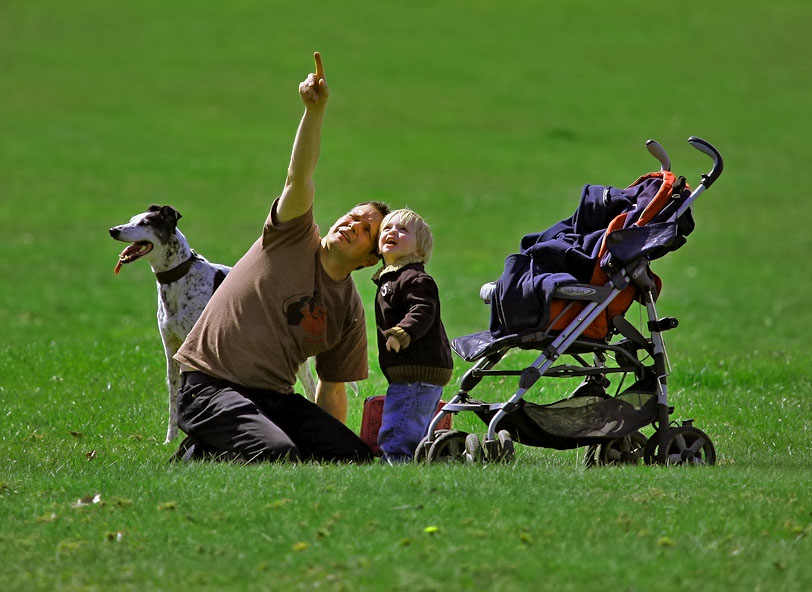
289 297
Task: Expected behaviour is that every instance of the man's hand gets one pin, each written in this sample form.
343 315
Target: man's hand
313 89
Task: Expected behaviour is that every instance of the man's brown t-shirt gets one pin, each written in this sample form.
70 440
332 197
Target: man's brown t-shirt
276 308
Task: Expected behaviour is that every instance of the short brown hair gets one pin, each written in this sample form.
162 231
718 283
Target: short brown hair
378 205
383 208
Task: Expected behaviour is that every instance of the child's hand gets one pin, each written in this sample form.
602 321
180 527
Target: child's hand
392 343
396 339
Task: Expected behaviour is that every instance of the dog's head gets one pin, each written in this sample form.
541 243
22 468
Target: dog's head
154 227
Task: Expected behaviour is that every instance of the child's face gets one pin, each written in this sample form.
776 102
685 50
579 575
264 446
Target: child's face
396 240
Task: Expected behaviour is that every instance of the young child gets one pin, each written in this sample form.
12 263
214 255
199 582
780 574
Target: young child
413 348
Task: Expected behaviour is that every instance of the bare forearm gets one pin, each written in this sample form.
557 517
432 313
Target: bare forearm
297 196
332 397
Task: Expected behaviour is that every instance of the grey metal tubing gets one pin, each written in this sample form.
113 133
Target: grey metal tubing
559 345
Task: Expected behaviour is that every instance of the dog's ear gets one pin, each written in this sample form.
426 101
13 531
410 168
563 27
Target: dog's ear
170 212
171 215
154 208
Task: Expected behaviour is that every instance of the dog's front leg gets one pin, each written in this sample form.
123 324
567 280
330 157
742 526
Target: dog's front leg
305 376
173 380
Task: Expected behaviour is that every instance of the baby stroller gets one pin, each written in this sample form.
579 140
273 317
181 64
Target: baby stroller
565 295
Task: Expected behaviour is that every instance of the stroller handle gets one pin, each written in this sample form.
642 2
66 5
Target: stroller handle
658 152
718 163
707 178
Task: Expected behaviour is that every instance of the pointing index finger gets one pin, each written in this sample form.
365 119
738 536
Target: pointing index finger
319 66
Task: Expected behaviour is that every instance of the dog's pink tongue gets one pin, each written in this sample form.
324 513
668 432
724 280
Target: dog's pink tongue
126 256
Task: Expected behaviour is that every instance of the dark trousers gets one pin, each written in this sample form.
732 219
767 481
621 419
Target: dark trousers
257 425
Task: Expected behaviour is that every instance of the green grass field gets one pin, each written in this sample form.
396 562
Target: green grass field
485 118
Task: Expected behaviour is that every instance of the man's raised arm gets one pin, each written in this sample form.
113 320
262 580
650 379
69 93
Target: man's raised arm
297 196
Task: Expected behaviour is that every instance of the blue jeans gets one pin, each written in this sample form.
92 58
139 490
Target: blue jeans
408 408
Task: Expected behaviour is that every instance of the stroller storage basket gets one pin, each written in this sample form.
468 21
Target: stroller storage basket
576 422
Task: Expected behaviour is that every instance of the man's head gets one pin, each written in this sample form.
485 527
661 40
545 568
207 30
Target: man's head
352 240
403 233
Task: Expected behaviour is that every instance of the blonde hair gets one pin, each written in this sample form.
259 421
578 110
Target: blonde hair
422 231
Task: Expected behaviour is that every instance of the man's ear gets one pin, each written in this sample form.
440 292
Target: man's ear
371 259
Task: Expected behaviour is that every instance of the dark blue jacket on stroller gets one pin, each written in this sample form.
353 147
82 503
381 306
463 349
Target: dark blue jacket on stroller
575 250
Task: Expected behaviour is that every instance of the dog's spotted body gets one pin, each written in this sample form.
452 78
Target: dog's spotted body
186 282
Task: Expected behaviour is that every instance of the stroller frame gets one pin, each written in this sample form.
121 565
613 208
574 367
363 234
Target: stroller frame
683 444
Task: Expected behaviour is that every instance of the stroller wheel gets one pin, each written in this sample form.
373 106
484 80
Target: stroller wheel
686 445
622 451
448 446
650 451
473 450
421 453
500 450
506 449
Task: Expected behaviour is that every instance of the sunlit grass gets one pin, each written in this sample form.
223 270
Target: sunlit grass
485 118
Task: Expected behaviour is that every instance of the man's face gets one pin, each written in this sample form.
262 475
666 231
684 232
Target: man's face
355 235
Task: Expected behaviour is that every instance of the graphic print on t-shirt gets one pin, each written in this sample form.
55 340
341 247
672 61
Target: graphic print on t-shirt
307 312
